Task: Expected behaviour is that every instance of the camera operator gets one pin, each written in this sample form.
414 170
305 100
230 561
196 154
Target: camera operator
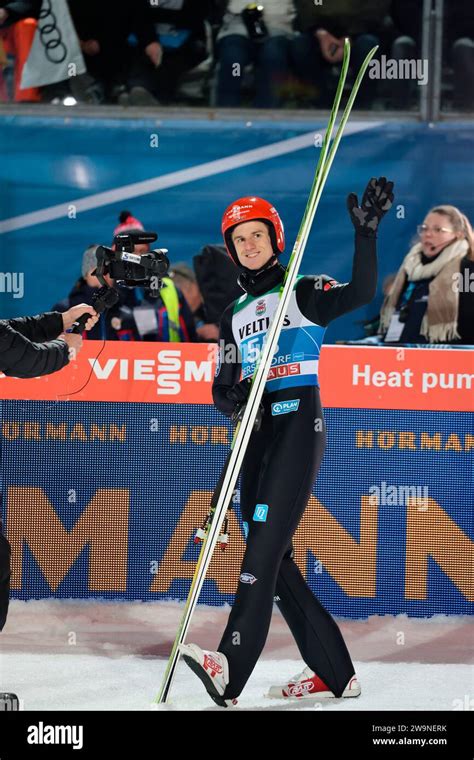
164 316
31 347
117 322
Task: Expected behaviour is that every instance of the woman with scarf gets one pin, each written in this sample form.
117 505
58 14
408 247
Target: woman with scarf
432 297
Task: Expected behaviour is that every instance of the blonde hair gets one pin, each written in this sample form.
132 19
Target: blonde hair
460 223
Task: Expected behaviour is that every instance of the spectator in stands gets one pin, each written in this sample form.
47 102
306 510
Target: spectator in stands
245 38
326 25
137 315
184 278
103 29
458 45
432 297
17 29
209 287
181 41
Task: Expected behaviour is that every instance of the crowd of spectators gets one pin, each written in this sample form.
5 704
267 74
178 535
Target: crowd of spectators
187 308
282 53
429 300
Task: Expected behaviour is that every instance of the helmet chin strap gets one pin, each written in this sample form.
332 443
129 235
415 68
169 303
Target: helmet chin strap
258 281
266 266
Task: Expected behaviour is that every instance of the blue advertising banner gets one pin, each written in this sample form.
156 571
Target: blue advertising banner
102 500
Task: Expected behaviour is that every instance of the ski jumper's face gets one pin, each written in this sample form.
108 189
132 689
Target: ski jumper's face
252 243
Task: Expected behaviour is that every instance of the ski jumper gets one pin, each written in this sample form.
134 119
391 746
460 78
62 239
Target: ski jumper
281 465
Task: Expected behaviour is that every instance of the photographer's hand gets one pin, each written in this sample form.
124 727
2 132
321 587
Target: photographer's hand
72 315
74 343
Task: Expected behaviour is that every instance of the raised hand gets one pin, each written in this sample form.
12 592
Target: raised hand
376 201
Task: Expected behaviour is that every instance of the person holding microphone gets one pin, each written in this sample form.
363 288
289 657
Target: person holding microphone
31 347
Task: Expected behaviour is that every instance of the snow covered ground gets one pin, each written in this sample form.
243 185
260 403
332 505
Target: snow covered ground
87 655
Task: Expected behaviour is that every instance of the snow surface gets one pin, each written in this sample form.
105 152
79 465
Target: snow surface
94 655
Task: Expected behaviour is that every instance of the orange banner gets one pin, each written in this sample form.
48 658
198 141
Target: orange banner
351 377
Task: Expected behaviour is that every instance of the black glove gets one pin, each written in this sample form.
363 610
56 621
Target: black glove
239 394
376 201
240 391
239 410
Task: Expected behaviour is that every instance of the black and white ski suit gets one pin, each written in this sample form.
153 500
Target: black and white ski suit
281 465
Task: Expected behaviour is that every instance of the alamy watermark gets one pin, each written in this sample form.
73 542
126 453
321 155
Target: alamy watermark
402 68
463 282
12 282
398 496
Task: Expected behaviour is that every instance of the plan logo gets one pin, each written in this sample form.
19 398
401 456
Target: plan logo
285 407
260 308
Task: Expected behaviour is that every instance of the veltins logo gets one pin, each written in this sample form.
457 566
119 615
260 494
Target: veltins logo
284 407
247 578
260 308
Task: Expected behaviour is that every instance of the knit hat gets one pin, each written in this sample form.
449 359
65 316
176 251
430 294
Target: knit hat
127 223
89 260
182 270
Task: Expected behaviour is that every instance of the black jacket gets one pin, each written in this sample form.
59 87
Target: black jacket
190 15
18 9
216 276
112 21
466 305
28 347
343 17
458 20
5 573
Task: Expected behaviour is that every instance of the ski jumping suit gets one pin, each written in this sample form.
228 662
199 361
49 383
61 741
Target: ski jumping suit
281 465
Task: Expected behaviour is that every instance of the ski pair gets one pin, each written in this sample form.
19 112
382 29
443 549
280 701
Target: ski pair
223 493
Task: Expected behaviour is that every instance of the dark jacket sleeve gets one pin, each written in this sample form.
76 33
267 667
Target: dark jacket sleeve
19 9
21 357
321 299
43 327
190 15
186 319
228 367
142 23
85 19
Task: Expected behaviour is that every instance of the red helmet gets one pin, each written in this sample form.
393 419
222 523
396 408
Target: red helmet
247 210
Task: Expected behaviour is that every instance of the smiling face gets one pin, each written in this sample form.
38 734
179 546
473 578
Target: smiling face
439 233
253 244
